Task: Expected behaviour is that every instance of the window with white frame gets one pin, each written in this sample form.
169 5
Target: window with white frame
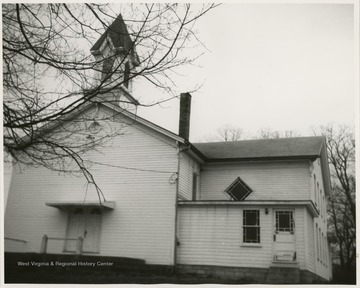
326 252
251 226
321 204
194 186
320 246
323 250
317 193
315 196
317 241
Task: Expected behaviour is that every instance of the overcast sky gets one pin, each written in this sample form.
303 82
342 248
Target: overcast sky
282 66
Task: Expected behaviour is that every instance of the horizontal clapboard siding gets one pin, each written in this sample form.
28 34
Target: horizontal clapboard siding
323 265
299 236
143 186
187 168
310 242
212 235
268 180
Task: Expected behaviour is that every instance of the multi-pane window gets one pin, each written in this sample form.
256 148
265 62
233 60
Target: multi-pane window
317 242
251 226
284 221
320 246
326 251
320 204
238 190
194 186
315 193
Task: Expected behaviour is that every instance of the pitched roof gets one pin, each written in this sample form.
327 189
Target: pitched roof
118 34
264 148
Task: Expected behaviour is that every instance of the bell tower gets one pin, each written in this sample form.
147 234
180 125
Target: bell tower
116 60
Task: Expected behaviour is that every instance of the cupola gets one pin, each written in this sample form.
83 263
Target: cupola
116 59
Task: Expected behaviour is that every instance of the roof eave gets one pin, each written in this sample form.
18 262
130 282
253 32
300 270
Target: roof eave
267 158
146 123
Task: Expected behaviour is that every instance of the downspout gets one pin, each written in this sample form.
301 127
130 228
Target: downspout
180 150
176 212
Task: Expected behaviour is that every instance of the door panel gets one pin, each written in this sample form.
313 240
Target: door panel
84 223
76 226
92 231
284 237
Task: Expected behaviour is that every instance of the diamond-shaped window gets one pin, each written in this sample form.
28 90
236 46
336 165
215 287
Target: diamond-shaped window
238 190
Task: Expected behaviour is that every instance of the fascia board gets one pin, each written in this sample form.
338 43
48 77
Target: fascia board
284 203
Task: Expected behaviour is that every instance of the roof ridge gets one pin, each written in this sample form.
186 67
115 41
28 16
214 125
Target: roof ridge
259 139
306 146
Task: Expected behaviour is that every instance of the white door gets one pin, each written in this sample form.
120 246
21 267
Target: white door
76 226
284 236
92 231
83 223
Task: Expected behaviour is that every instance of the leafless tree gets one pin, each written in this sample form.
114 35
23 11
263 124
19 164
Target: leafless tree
268 133
230 133
49 74
342 206
226 132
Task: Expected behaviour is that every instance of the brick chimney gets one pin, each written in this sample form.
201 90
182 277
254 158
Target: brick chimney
184 121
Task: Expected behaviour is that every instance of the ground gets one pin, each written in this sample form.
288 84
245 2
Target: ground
111 277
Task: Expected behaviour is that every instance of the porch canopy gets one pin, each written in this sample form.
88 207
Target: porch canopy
107 205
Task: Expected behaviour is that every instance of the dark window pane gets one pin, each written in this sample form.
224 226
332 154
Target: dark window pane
284 221
252 234
194 186
251 217
238 190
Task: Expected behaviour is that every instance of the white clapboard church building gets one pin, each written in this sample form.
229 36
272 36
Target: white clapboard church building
242 209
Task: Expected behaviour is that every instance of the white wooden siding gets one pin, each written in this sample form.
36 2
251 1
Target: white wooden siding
269 180
299 236
212 235
187 168
310 242
321 268
142 223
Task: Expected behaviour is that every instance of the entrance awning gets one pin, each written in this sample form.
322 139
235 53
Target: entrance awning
107 205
